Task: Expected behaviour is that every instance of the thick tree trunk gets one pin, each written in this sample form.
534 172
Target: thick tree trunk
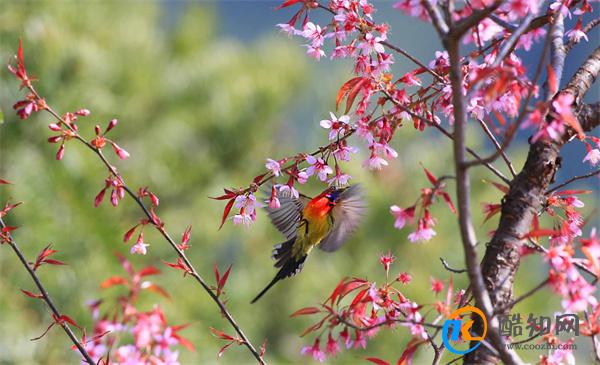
524 200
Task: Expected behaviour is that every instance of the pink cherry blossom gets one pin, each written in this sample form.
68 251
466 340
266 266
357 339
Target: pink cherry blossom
314 351
336 125
273 166
402 216
318 167
592 156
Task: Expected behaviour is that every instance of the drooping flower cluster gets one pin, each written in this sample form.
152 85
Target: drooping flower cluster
358 309
377 103
130 335
565 275
425 222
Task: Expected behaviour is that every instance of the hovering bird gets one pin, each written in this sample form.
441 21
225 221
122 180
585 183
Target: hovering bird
325 221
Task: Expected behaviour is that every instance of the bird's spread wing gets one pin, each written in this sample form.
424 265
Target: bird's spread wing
347 215
287 217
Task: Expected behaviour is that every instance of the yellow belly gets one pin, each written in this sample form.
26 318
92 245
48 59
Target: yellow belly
310 233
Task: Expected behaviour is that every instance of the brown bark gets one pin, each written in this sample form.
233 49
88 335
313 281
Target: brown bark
525 199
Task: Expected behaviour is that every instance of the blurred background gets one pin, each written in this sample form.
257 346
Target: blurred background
204 92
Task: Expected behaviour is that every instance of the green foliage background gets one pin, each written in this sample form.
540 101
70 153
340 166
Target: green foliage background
197 111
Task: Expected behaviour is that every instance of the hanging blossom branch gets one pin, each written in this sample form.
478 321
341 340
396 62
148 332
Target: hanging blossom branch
490 85
43 258
68 130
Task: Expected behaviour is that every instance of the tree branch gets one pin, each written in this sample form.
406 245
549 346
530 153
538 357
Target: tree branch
557 51
192 271
46 297
524 200
463 196
589 26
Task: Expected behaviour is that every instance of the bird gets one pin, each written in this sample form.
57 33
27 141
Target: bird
326 221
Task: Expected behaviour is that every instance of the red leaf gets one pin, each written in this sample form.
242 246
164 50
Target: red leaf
314 327
572 192
222 335
432 179
354 92
344 288
180 265
32 295
226 212
8 229
228 195
148 270
8 207
4 182
112 281
409 352
541 233
358 297
129 233
42 258
223 280
185 237
349 287
377 361
345 89
65 318
305 311
287 3
446 197
53 262
157 289
185 343
216 271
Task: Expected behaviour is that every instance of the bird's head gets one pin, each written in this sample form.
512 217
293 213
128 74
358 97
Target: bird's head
334 194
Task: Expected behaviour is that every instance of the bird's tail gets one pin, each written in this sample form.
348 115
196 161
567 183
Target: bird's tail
289 266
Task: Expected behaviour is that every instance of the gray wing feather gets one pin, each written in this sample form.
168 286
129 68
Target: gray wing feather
287 217
347 215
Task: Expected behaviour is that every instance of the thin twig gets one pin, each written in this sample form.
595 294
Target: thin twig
499 149
436 17
437 126
573 179
524 296
413 59
163 232
536 246
524 111
46 297
384 323
399 50
472 20
447 267
589 26
511 42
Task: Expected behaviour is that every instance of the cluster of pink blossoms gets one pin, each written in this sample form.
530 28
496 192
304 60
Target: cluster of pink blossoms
357 309
565 277
425 222
130 336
